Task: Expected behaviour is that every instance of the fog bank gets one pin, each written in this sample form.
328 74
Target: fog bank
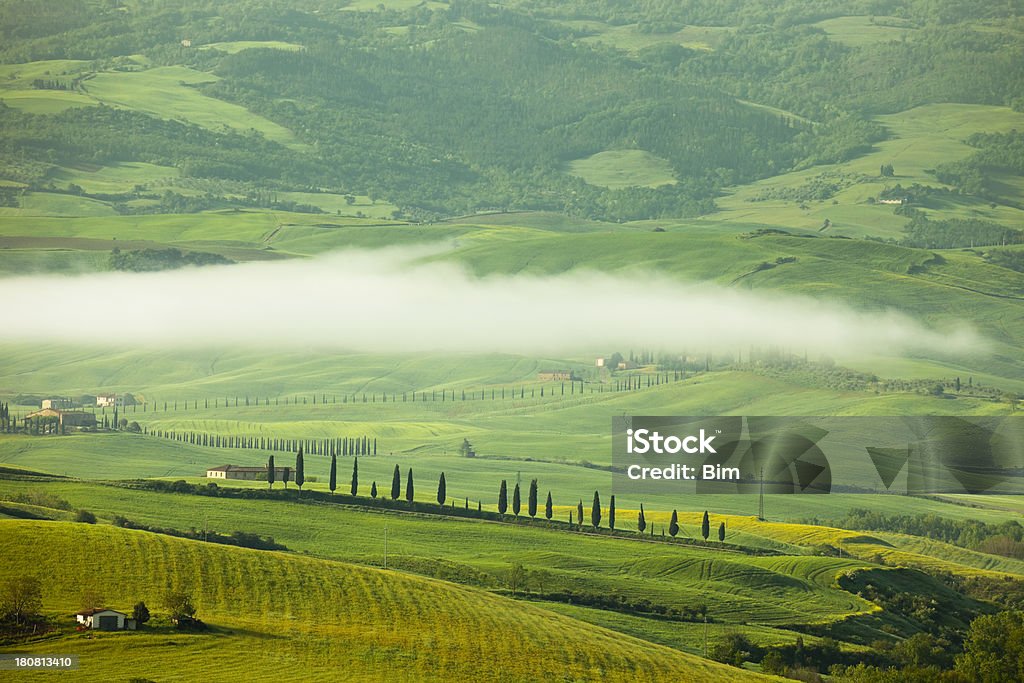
383 301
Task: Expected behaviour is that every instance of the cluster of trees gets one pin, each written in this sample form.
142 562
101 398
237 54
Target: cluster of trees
956 232
242 539
144 260
997 153
1005 539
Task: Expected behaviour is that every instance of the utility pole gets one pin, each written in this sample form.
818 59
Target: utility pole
760 498
705 635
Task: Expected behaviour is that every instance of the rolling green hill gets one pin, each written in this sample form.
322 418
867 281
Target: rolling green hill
280 617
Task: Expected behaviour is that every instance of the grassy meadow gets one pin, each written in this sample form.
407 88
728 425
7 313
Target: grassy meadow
283 617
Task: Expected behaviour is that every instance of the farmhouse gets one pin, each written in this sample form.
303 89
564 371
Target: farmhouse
105 620
250 473
599 363
57 403
563 375
115 401
66 418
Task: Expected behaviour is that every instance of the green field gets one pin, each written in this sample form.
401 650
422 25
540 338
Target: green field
233 46
623 168
630 37
305 618
169 92
920 139
859 31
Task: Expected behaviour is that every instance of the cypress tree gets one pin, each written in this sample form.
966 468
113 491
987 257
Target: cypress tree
270 471
579 513
515 500
354 488
531 500
595 511
300 475
334 474
442 491
705 526
641 523
721 532
611 513
408 487
396 484
673 525
373 490
502 498
549 508
286 476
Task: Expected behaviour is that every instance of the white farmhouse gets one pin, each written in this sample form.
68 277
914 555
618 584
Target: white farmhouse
105 620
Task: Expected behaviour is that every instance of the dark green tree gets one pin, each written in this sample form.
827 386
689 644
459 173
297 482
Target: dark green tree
442 490
721 532
396 484
516 502
354 486
21 599
579 513
409 491
333 482
373 490
531 499
595 511
502 498
673 524
549 509
286 476
994 649
300 474
140 613
705 526
641 523
611 513
179 605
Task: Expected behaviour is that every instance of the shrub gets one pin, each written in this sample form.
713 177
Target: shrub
85 516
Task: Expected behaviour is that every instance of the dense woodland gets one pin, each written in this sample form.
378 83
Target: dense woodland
474 105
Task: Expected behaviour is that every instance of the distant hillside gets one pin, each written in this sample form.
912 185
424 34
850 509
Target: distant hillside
449 108
281 617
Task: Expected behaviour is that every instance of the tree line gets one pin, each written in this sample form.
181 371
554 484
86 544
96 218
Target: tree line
341 445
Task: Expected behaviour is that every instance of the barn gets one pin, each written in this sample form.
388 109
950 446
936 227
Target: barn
105 620
249 473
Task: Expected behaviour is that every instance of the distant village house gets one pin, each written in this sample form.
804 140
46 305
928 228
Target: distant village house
57 403
114 400
247 473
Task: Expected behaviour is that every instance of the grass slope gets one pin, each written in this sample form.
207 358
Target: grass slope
279 617
920 139
616 169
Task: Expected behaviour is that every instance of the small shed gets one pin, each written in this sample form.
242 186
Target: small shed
105 620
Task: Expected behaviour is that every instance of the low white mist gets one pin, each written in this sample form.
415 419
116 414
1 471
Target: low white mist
389 300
